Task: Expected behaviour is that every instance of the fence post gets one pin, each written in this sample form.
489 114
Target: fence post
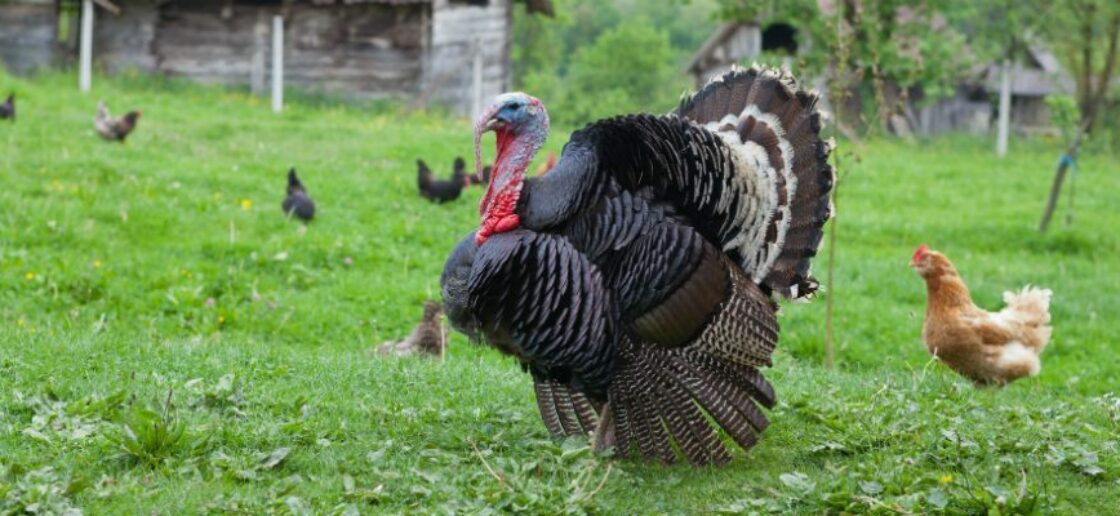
477 100
277 63
85 58
256 65
1004 108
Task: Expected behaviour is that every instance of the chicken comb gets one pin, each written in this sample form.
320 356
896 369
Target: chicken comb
922 249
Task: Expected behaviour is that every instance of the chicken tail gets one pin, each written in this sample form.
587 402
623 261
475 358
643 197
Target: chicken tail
1030 307
1031 303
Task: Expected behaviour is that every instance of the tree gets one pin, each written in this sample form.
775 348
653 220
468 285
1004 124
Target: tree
895 45
1085 36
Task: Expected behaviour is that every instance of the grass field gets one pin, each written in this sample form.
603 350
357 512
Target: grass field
170 343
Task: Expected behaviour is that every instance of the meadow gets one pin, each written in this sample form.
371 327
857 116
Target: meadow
170 343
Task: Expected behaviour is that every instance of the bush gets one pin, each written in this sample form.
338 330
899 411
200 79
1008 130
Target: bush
628 69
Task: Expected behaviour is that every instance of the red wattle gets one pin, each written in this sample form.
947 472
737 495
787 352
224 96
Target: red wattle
501 216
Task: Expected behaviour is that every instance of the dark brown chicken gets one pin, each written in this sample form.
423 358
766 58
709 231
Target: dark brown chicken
298 203
8 108
437 190
428 338
115 129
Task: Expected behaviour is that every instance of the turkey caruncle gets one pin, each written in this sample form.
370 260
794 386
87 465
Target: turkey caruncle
635 280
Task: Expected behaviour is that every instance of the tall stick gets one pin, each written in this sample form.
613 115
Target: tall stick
256 65
277 63
1004 108
838 90
477 100
85 58
1060 175
829 343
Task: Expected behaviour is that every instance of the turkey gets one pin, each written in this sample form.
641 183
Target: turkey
636 281
297 203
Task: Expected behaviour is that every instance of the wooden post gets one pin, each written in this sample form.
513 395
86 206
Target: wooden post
277 63
256 66
1004 108
85 58
477 100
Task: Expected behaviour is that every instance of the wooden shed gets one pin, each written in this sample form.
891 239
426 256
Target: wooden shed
444 51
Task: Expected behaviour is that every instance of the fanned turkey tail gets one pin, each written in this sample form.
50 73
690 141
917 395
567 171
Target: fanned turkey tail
767 109
662 398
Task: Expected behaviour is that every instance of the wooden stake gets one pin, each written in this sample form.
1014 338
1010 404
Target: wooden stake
85 56
477 100
277 63
1004 108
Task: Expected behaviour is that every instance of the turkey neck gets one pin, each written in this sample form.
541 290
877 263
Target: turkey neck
515 153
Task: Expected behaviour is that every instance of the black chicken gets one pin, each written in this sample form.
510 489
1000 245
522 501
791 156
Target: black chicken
8 108
635 280
440 191
298 203
480 178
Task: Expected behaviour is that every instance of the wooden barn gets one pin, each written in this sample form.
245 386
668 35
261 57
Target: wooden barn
443 51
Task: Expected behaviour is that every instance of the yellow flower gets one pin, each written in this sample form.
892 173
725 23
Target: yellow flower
97 264
946 478
29 276
246 204
20 322
221 319
56 184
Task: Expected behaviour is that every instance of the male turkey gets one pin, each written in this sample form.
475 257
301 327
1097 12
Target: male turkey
634 281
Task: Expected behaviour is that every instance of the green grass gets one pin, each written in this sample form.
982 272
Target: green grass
167 347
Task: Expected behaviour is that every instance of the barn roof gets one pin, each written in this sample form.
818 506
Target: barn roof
697 62
1039 75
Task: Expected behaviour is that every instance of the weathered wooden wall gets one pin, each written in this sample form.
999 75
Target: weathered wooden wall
955 114
456 28
421 49
124 41
359 49
28 33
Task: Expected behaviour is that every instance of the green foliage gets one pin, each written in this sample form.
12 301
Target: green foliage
41 491
149 436
600 59
281 407
628 69
1064 113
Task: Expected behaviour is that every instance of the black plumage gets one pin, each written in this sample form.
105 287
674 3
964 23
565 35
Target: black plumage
637 288
437 190
8 108
298 203
482 178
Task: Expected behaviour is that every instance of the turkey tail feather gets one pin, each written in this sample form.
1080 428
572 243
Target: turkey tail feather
669 401
662 400
777 126
565 412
